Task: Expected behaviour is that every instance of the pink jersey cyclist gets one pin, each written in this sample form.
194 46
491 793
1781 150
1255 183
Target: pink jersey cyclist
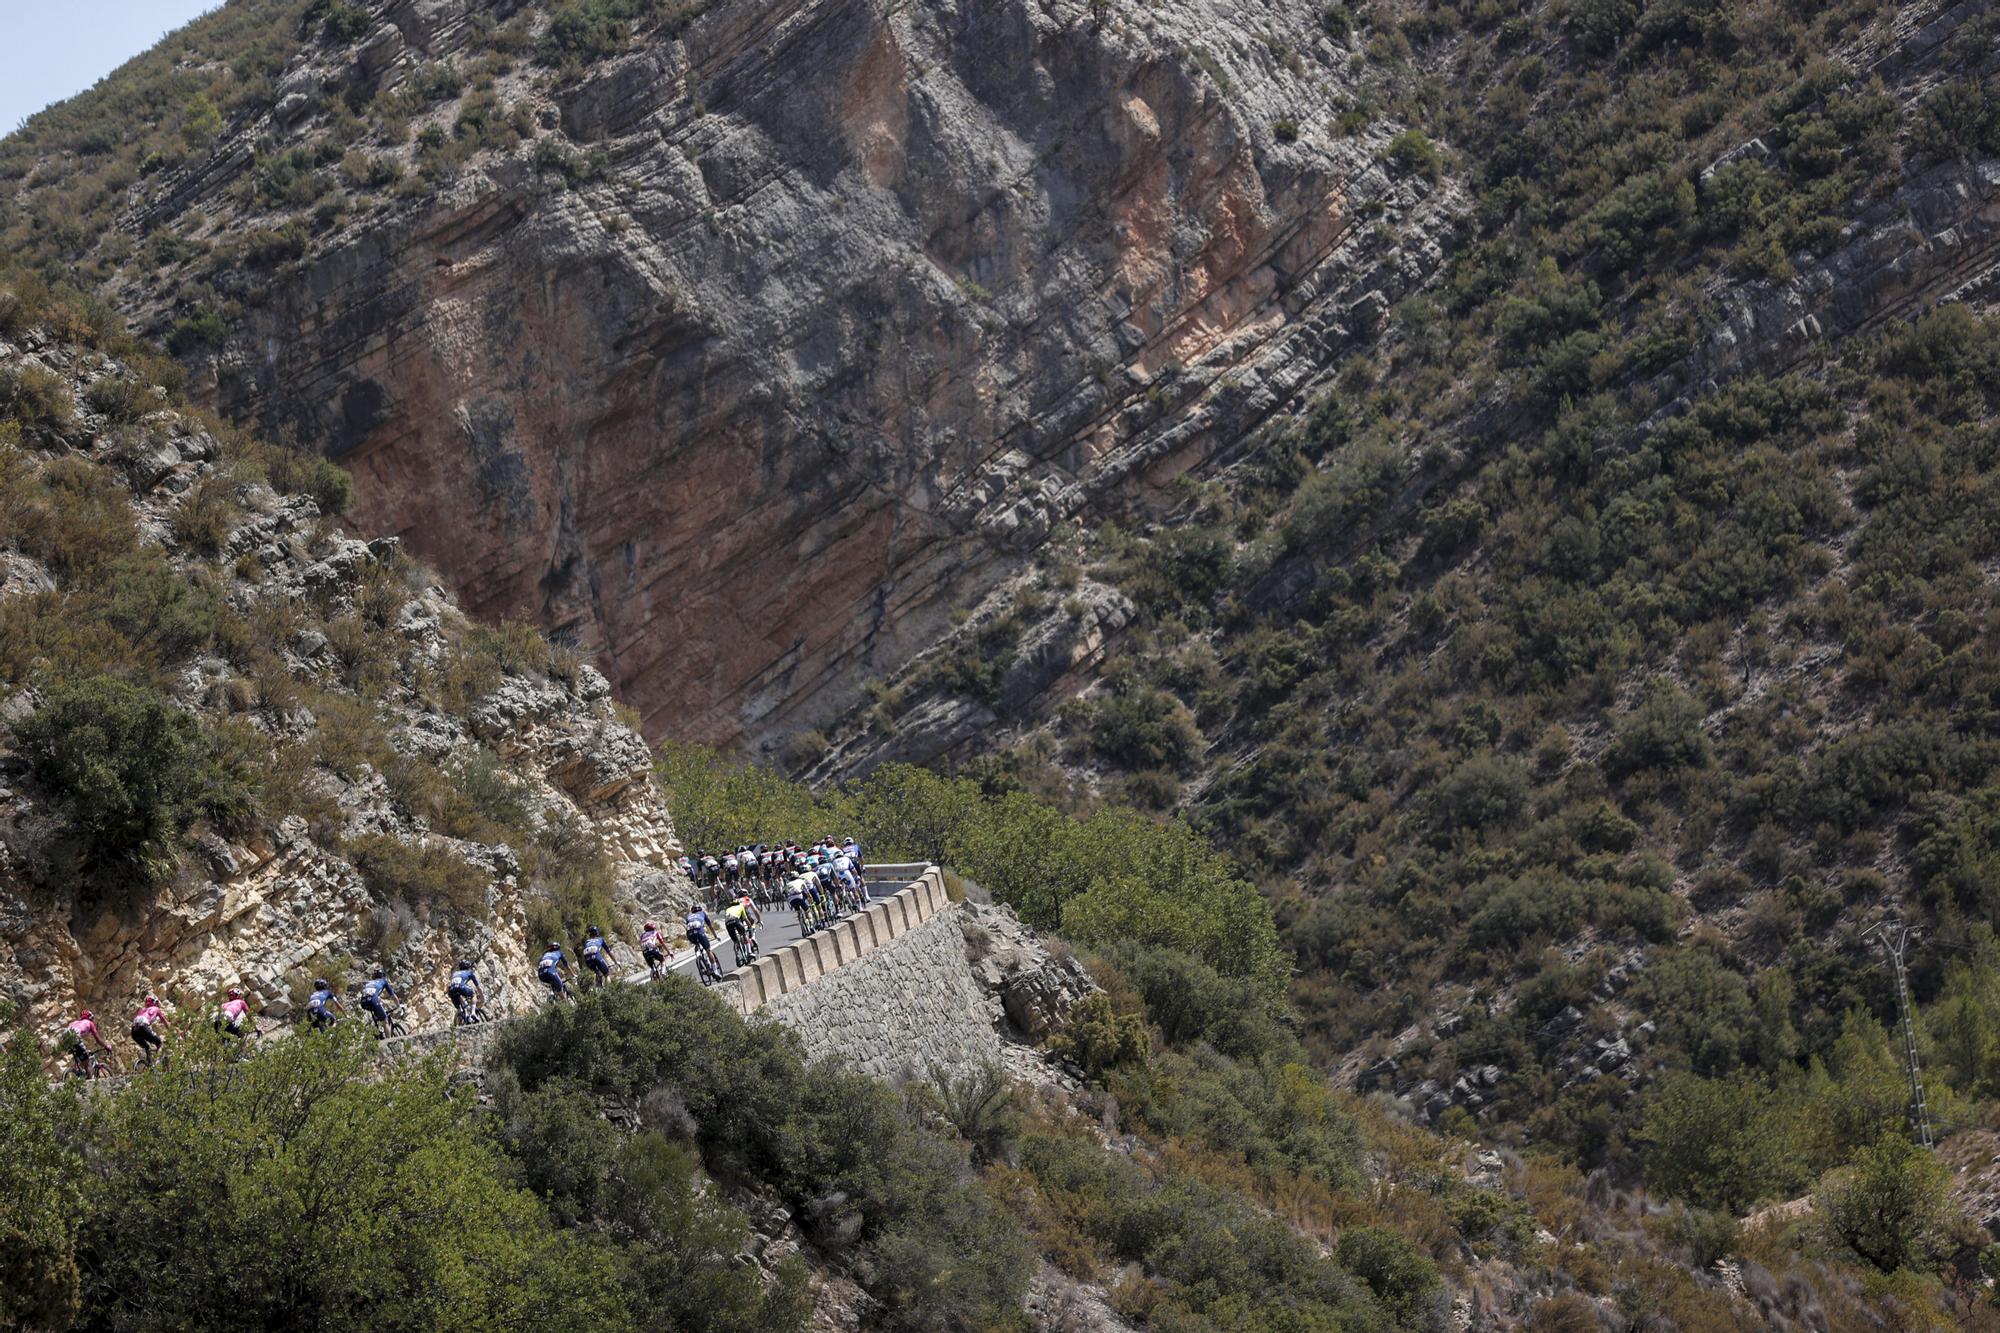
146 1026
235 1009
77 1038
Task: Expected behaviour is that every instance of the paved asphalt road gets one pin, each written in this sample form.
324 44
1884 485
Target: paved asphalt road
779 929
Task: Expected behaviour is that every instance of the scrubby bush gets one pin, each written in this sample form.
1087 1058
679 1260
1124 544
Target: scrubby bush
841 1150
1662 735
1403 1280
1484 792
1412 152
122 763
398 868
1890 1207
1142 728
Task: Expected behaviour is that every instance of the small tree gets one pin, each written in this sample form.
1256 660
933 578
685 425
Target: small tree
201 123
1890 1206
124 764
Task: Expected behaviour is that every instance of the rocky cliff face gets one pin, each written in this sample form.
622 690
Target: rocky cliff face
777 341
257 899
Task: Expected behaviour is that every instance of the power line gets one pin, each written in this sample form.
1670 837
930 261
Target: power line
1896 939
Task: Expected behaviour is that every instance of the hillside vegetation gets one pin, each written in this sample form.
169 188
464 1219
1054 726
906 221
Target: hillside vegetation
1475 827
1598 659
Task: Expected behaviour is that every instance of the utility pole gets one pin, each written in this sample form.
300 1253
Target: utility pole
1896 939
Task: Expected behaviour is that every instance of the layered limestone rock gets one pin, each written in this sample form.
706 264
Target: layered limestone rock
257 905
785 337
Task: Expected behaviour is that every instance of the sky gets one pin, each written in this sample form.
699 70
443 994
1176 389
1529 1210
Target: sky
56 48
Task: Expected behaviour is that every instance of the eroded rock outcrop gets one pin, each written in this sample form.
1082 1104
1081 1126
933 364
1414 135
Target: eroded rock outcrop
849 309
254 902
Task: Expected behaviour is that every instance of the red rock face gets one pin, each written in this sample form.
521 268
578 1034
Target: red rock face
862 307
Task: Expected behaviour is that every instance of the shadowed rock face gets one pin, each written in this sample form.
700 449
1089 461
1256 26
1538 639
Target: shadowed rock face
867 302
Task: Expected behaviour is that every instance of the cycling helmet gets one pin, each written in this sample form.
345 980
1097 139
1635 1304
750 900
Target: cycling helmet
84 1014
380 973
320 984
465 964
593 932
154 999
234 994
554 945
651 926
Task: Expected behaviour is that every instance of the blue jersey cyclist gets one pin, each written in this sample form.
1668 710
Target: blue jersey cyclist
320 1007
597 955
376 992
550 970
463 989
698 928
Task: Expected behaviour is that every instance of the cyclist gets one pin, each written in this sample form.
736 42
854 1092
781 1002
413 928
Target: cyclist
736 919
145 1029
463 992
653 948
711 870
795 898
77 1038
230 1018
597 954
843 873
698 927
374 992
551 969
687 867
320 1006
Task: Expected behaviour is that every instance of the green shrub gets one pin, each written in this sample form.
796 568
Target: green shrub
188 1173
1403 1280
161 611
344 20
119 398
1412 153
1600 25
1484 792
1957 119
41 1195
1715 1143
73 517
842 1151
38 399
122 763
1891 1207
1099 1038
1662 735
582 31
1141 728
198 331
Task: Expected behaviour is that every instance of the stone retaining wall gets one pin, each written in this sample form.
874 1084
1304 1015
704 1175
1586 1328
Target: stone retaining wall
901 1010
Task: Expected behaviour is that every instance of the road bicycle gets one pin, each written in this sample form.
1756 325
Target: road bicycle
706 967
388 1021
92 1067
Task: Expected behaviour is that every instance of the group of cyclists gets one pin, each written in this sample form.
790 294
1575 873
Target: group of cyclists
820 884
83 1042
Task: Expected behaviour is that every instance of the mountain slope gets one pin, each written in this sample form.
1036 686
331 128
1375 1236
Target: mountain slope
742 348
247 746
